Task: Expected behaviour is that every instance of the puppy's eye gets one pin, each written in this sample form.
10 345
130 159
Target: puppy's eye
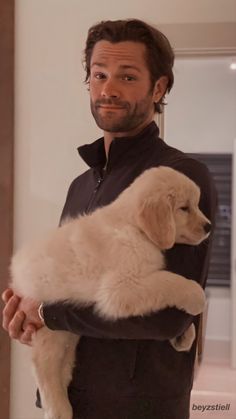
186 209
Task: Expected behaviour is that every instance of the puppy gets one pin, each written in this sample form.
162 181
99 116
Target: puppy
112 259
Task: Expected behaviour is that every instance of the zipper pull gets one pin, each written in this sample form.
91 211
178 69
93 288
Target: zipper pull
99 181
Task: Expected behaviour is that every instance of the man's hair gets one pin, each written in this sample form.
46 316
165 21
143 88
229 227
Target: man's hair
159 53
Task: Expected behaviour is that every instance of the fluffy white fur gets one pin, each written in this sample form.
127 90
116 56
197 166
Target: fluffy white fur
112 259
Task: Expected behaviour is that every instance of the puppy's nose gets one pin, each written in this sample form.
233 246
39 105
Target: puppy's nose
207 227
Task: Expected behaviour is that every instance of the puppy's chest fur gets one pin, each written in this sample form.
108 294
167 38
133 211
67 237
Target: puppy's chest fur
113 247
133 253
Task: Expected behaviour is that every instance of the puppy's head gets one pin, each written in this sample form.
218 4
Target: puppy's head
192 226
168 211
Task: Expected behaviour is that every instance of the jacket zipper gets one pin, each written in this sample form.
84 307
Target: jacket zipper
99 182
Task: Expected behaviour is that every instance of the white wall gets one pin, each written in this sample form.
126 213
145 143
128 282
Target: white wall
200 116
52 116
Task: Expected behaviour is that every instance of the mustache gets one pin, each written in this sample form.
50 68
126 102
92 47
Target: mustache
111 102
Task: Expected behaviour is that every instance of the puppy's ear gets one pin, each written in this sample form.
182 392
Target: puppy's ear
155 219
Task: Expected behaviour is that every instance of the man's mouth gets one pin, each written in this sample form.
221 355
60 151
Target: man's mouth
109 107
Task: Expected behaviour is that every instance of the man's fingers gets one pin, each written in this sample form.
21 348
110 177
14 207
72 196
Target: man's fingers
14 319
26 336
15 325
18 319
9 312
6 295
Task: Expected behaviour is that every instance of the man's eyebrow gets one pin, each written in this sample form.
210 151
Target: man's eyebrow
130 66
98 64
122 66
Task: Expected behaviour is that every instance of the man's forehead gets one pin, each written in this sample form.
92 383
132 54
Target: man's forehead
129 51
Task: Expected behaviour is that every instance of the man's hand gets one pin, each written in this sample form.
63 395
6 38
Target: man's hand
20 317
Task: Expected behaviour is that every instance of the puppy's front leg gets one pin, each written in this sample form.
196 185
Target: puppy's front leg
183 293
120 297
53 359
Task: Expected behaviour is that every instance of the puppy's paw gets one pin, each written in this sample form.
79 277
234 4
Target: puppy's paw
195 299
185 341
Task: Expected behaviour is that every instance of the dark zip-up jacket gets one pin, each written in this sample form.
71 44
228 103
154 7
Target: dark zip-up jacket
127 369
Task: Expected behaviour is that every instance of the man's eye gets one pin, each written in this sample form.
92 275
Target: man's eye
128 78
99 76
185 208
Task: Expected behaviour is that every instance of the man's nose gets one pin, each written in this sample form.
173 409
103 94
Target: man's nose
109 89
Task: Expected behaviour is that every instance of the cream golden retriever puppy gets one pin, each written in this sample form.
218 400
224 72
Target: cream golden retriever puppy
112 259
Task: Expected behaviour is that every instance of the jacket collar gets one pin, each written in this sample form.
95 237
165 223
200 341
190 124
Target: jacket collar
94 154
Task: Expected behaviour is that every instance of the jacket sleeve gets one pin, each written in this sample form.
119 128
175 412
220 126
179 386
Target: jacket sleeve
83 321
189 261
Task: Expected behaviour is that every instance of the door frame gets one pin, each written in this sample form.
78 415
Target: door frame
6 179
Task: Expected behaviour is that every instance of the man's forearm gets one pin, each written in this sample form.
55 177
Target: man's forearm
163 325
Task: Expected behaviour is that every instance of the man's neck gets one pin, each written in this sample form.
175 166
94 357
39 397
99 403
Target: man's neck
109 136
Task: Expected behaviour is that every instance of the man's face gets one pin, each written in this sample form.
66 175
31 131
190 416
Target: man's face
122 101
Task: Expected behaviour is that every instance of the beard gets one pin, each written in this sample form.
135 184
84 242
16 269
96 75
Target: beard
122 120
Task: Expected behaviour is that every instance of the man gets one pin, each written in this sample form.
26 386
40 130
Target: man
126 369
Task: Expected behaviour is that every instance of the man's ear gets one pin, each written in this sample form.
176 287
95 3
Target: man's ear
160 88
155 219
